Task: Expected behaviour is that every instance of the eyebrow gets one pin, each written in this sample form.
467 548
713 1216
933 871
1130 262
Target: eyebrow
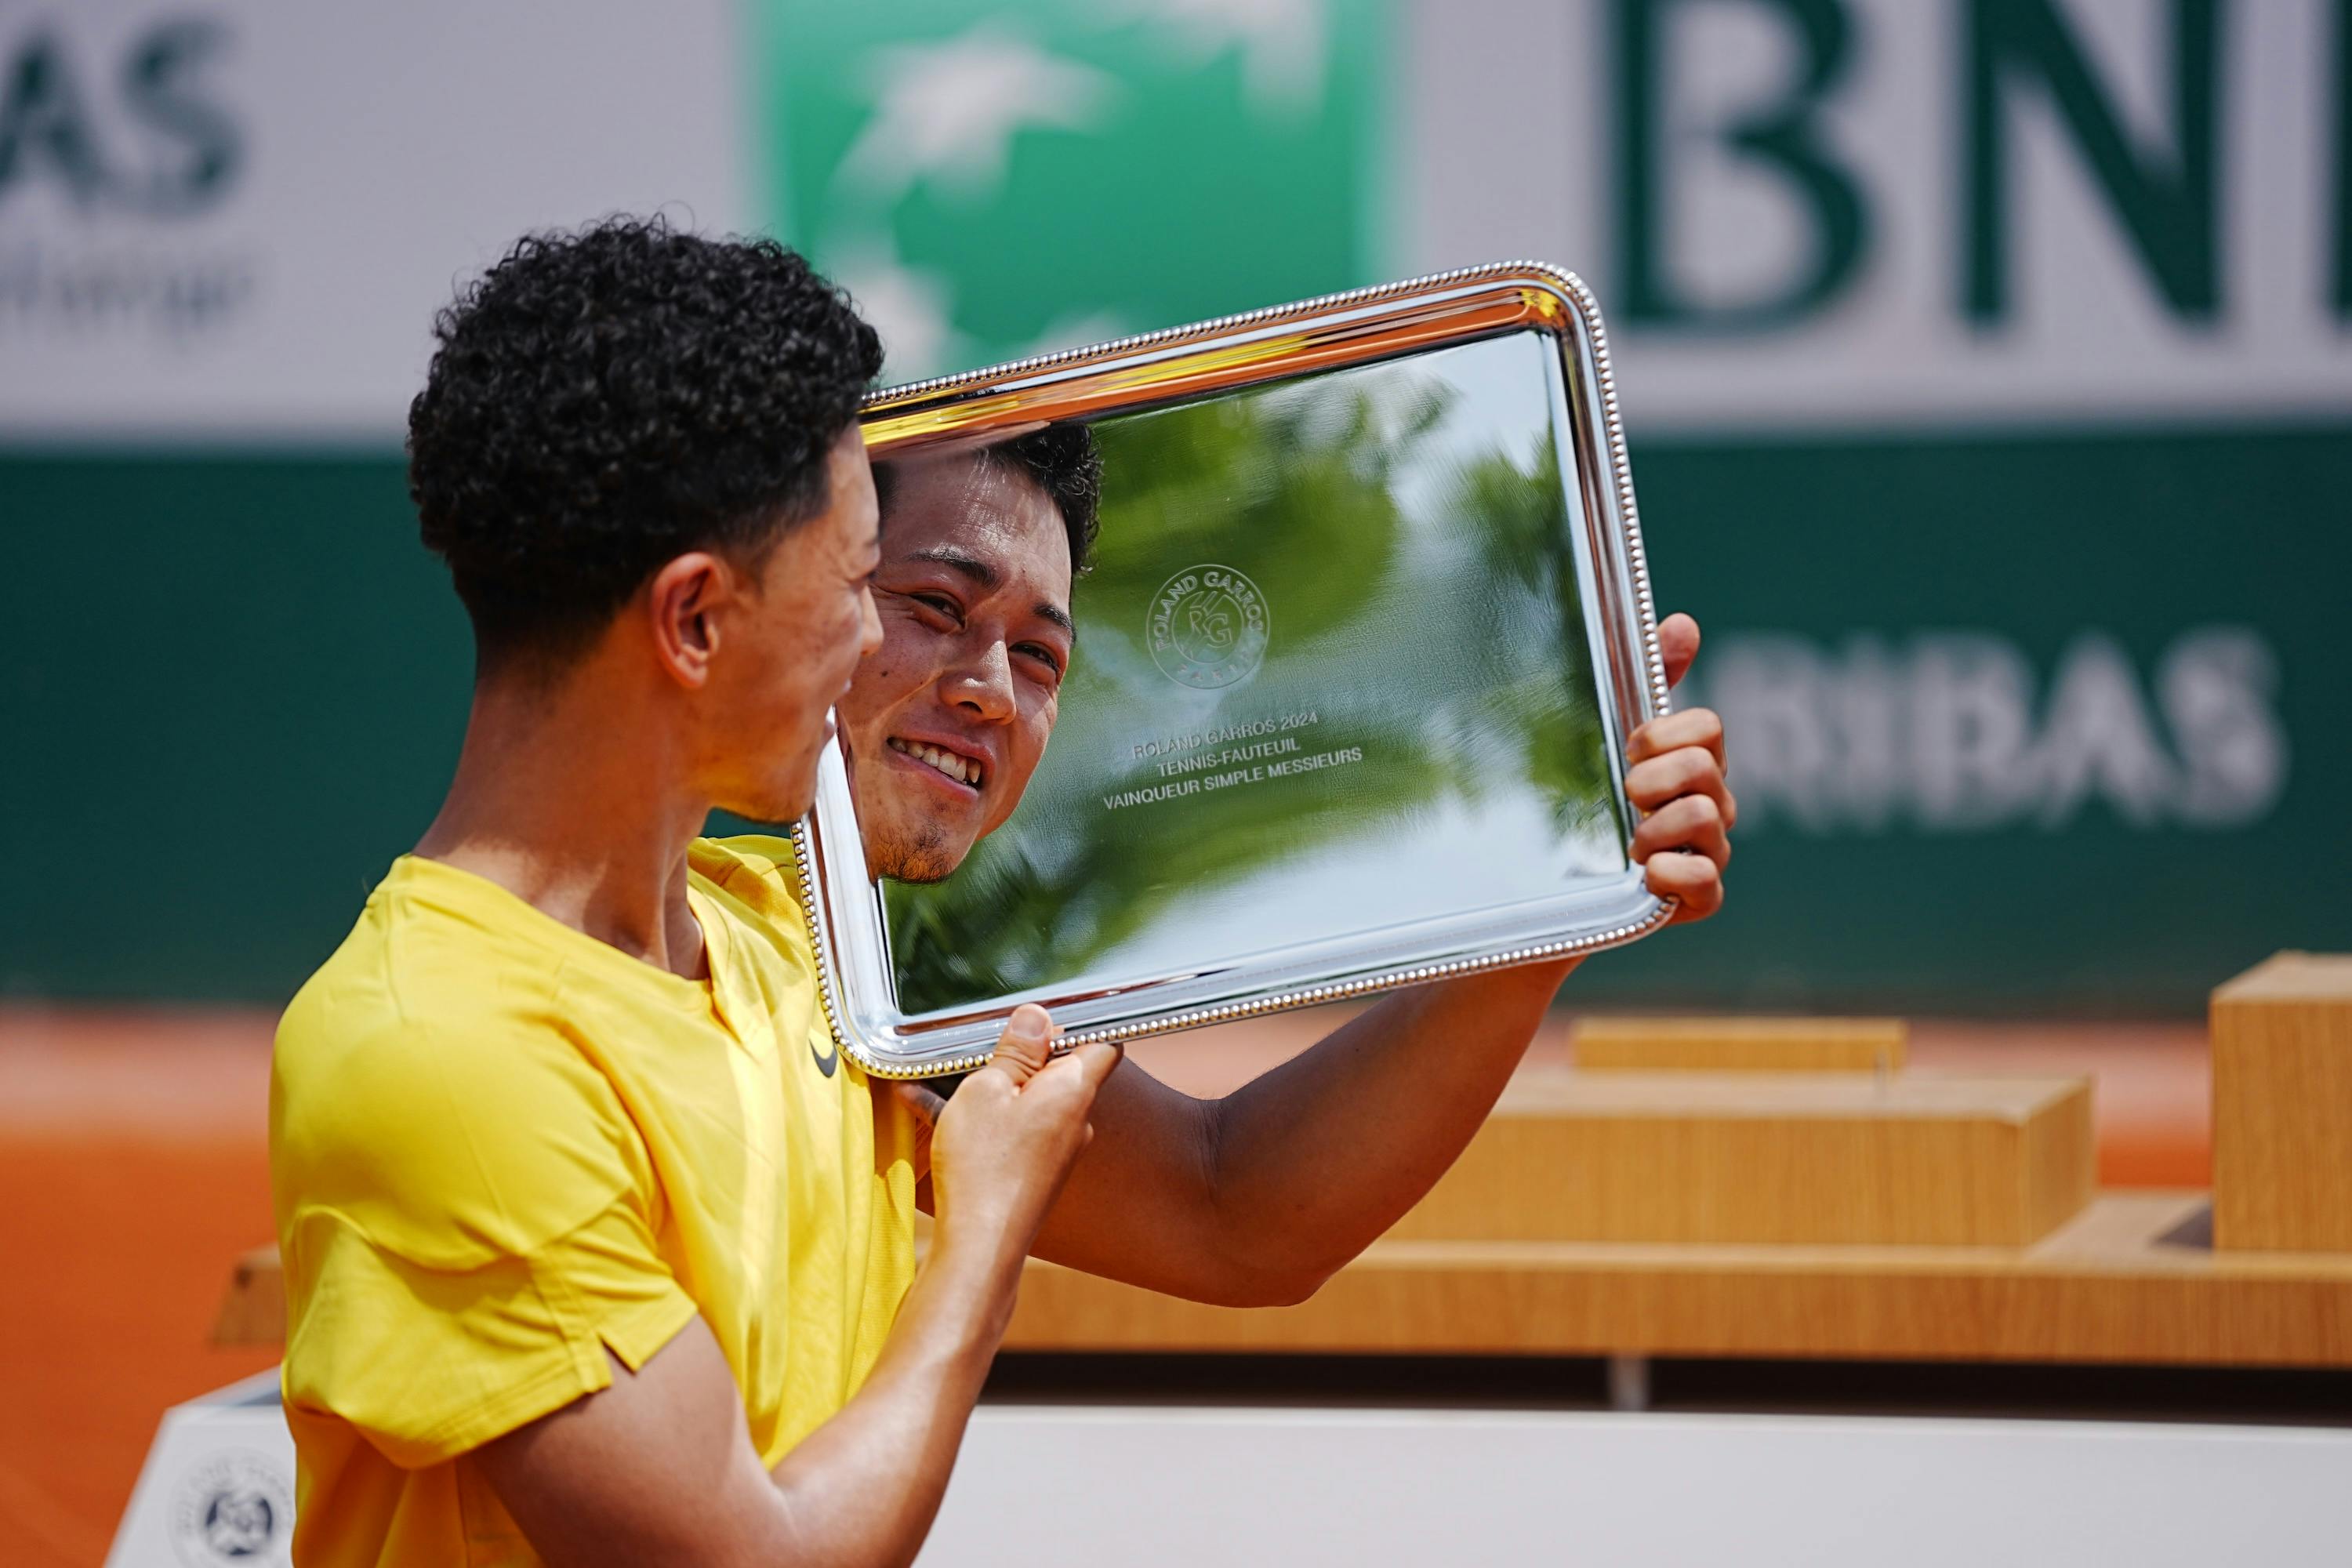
971 565
986 574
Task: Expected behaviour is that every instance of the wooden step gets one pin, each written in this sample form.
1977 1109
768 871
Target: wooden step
2282 1106
1841 1158
1740 1045
2130 1279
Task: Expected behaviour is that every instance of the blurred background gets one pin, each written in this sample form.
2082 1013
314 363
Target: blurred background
1988 365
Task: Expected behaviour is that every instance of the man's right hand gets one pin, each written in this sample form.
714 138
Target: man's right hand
1002 1148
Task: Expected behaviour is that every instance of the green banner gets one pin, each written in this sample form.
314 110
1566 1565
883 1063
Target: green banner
259 710
992 183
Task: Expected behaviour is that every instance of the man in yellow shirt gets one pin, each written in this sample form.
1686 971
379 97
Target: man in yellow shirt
597 1251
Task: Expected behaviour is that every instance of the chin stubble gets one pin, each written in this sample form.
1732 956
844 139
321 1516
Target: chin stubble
924 857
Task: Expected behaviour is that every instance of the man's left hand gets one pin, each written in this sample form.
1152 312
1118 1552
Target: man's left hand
1675 778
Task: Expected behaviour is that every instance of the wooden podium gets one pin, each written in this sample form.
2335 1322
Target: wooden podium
1836 1158
1789 1188
2282 1106
1786 1188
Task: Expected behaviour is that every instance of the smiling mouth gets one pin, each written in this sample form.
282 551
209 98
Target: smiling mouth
963 770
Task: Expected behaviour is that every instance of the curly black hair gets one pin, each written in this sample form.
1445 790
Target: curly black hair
1063 460
603 400
1066 464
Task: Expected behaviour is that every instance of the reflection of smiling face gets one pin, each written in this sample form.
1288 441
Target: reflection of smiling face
947 721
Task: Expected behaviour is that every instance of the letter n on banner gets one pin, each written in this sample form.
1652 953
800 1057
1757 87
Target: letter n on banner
2166 205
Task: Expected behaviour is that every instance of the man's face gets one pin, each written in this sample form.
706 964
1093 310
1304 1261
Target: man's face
946 722
788 647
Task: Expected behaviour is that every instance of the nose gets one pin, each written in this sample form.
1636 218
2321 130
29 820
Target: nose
984 685
869 624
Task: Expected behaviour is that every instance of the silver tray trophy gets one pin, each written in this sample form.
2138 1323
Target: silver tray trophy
1343 698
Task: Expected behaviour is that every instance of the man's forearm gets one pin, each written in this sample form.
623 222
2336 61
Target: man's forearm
659 1467
1254 1199
864 1487
1314 1160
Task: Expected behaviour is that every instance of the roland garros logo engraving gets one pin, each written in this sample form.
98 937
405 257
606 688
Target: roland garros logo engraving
1207 627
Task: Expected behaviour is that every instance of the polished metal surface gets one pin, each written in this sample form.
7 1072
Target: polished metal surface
1367 626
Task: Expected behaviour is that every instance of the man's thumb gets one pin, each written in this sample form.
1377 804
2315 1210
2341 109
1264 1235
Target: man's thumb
1677 646
1026 1044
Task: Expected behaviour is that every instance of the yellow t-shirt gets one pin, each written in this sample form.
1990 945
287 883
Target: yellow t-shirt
499 1147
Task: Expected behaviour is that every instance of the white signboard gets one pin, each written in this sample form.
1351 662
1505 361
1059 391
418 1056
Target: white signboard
1866 212
1174 1488
238 218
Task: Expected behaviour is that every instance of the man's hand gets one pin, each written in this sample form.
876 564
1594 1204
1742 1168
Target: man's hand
1000 1149
1675 778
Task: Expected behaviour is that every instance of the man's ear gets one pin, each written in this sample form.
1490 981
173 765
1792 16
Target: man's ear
682 604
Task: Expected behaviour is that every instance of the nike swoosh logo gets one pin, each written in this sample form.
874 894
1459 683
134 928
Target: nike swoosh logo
824 1064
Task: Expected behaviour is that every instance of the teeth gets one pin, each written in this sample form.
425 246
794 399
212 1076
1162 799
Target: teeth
958 768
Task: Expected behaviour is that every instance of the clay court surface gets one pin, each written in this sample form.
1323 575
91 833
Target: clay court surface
132 1156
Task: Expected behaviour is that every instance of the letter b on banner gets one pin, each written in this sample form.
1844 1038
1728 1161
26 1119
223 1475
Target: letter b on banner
1783 138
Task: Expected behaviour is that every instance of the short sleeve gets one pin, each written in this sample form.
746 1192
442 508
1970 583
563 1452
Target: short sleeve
760 870
468 1225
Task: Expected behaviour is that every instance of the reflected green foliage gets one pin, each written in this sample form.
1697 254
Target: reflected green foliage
1278 483
1422 603
1517 515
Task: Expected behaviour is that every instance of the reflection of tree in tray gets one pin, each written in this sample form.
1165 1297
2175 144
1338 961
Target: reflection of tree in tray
1428 631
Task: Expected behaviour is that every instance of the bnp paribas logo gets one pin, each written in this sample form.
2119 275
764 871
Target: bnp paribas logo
991 184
